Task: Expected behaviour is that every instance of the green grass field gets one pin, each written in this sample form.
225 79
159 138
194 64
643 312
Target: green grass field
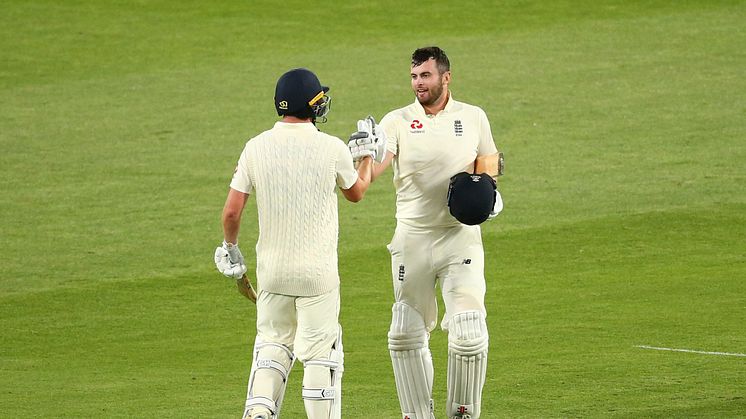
624 129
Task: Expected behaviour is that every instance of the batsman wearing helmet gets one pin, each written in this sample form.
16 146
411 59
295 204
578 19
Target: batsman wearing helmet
293 169
445 166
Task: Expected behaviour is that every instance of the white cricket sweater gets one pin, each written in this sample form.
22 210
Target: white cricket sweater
294 171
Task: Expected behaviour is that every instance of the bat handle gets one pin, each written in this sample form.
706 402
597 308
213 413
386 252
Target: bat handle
245 288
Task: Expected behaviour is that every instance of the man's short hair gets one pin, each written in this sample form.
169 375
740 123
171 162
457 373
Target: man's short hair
420 55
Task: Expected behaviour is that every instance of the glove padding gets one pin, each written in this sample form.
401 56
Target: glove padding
361 145
229 260
498 207
369 140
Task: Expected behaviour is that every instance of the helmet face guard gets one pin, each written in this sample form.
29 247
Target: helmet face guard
320 107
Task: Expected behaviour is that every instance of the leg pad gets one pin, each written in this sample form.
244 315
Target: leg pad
468 344
412 362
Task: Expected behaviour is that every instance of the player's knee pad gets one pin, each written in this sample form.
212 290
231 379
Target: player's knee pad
468 343
412 362
270 370
407 329
322 384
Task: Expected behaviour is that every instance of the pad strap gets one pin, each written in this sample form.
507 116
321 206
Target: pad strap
271 363
328 363
319 393
322 383
255 401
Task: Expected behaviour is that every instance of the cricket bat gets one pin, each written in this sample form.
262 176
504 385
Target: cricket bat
245 288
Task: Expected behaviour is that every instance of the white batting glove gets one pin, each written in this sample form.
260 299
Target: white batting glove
361 144
379 137
369 140
229 260
498 207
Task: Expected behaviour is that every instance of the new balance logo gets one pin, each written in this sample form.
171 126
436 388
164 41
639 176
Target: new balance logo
401 272
467 262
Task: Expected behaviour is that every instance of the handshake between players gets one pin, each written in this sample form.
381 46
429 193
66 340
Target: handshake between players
369 140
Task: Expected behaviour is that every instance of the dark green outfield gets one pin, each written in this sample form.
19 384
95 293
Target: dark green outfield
624 128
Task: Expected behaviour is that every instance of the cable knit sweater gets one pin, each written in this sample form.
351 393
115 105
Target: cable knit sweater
294 171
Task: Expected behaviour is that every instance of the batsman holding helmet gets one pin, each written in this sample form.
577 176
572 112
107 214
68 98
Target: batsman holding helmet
445 167
294 170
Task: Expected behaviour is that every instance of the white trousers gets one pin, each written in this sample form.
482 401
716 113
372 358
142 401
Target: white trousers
308 326
451 258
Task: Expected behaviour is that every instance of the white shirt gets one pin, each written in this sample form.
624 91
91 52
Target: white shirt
429 150
294 171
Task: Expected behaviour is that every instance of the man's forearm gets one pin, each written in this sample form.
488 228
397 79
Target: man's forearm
365 170
491 164
379 168
364 176
232 215
231 225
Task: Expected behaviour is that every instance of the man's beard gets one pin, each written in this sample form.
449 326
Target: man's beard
434 93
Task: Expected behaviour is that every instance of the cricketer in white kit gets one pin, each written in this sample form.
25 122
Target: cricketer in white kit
294 170
428 142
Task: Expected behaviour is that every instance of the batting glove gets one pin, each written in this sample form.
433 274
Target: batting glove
498 207
229 260
361 145
379 137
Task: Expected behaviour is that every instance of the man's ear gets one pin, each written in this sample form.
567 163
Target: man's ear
447 77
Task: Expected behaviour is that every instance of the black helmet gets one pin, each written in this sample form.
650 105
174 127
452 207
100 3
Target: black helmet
471 197
299 93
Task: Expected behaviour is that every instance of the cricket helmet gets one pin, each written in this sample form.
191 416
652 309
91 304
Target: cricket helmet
471 197
299 93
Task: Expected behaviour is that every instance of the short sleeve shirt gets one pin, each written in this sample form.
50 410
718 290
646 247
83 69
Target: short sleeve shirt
429 150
